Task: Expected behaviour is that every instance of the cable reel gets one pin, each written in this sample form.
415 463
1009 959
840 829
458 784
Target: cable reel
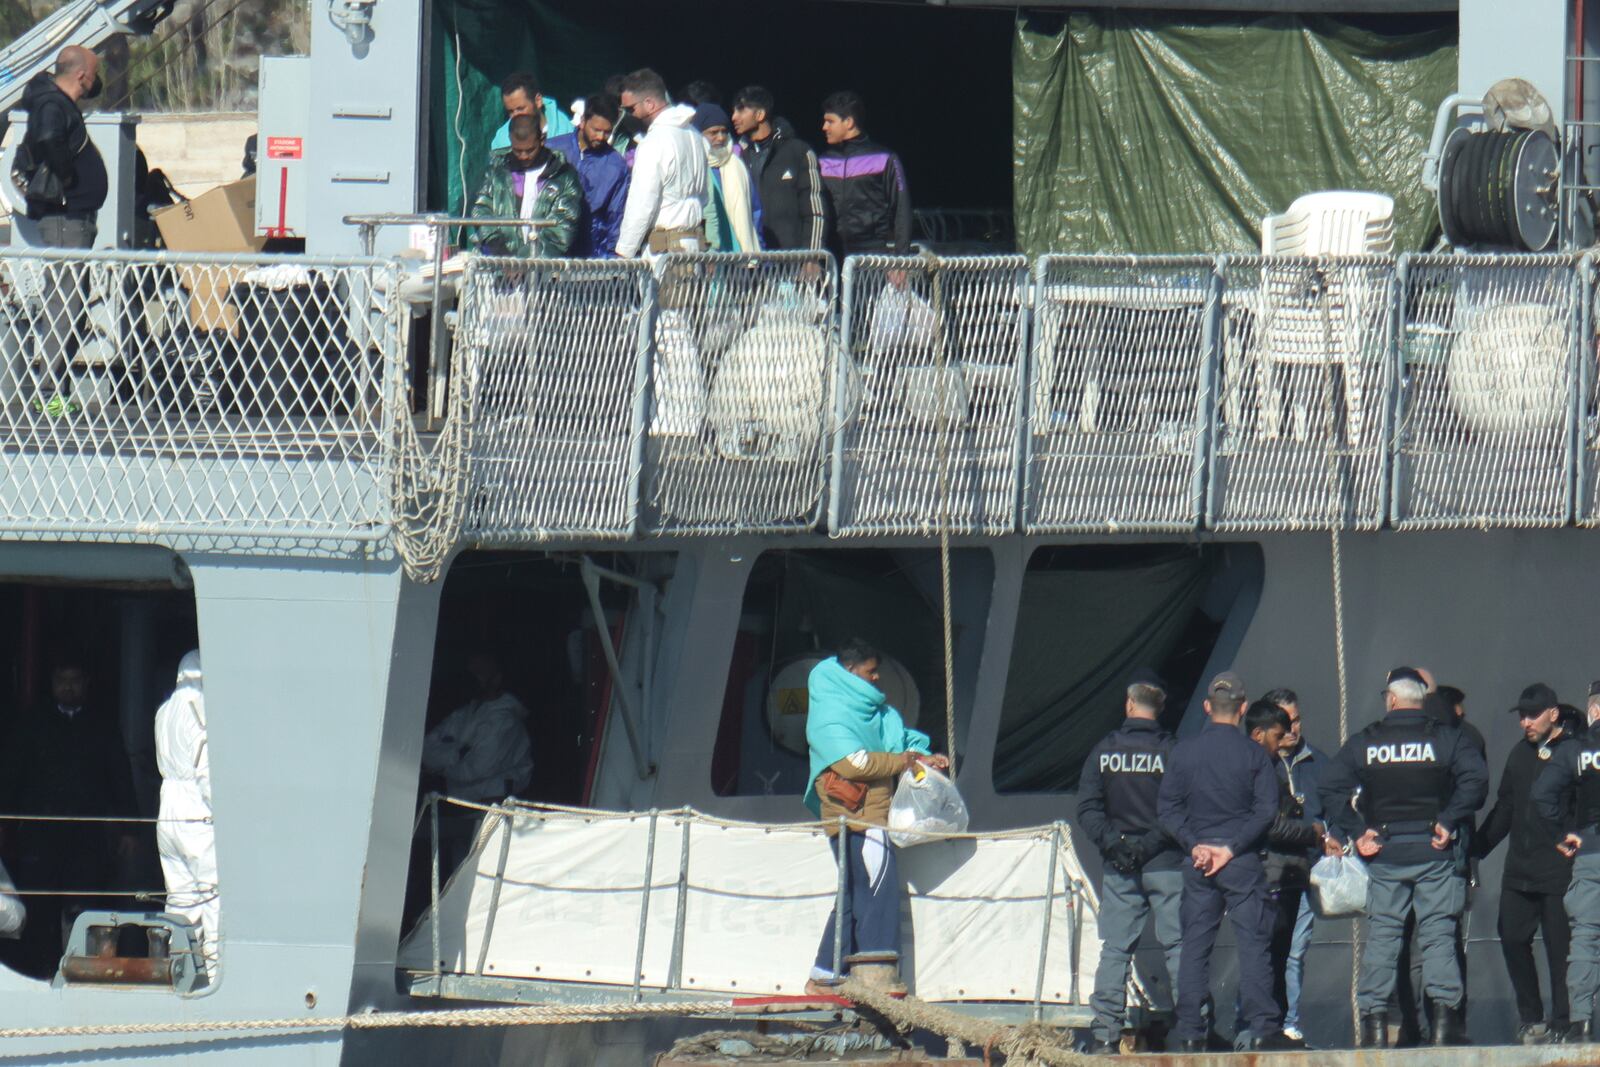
1497 189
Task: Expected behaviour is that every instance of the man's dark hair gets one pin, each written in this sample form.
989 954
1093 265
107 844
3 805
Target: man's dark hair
1281 697
525 126
756 97
855 652
699 92
647 83
602 105
1452 696
522 81
1263 714
847 105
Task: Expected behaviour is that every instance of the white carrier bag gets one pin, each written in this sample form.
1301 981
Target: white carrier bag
1341 885
925 805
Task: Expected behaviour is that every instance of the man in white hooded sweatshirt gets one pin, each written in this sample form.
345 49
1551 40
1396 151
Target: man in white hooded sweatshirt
666 206
184 835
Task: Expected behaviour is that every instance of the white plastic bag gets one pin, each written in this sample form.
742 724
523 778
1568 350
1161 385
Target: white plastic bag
925 803
1341 885
12 913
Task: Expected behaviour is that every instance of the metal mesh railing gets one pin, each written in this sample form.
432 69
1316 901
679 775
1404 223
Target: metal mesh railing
741 354
928 397
1303 394
556 351
1116 429
237 398
1486 408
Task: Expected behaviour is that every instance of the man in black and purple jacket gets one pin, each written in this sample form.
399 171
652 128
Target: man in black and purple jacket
869 207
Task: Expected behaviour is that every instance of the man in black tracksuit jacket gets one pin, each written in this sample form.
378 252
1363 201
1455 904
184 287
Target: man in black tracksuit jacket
869 208
1536 875
785 171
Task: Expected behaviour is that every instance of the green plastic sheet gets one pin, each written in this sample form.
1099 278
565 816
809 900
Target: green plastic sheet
1148 132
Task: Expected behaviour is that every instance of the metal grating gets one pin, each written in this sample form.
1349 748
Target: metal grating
1485 410
556 353
166 397
927 400
1303 394
1116 426
742 348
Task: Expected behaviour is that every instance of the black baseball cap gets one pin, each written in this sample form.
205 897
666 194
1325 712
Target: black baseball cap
1226 684
1536 698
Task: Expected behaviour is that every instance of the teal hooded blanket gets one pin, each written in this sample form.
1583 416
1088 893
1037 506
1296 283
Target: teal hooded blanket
847 714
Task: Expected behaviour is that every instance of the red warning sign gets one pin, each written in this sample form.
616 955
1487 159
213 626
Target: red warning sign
285 147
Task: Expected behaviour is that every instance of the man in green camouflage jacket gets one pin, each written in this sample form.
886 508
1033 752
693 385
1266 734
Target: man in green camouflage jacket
529 181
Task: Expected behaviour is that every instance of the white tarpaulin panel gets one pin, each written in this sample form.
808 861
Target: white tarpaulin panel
755 904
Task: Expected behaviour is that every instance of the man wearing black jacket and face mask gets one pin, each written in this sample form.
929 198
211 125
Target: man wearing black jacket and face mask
1117 795
58 139
1536 874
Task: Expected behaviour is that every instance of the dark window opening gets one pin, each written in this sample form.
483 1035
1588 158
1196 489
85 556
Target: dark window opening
799 606
82 671
1090 616
528 619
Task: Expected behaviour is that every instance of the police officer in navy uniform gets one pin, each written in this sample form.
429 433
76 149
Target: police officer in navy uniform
1420 784
1143 872
1218 800
1567 795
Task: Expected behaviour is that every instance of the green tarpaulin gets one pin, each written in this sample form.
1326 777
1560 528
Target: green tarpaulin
1146 132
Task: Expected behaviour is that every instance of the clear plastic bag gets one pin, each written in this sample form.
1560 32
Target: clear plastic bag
1341 886
13 915
925 805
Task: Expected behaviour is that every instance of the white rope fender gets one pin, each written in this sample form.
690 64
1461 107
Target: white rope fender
537 1015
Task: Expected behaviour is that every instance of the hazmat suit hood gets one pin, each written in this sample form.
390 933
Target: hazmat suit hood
189 670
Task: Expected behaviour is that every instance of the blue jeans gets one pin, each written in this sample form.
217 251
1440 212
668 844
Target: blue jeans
871 913
1293 972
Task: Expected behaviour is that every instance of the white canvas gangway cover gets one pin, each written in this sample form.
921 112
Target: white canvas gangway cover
755 899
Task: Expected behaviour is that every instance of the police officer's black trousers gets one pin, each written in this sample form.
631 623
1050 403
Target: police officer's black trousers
1240 888
1521 914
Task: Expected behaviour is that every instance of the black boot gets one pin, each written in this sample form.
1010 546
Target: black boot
1579 1033
1191 1045
1446 1023
1374 1031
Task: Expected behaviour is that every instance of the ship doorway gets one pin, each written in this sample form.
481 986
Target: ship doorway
83 669
534 616
1089 617
802 604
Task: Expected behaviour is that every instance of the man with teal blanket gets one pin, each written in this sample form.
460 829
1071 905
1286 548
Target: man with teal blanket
859 747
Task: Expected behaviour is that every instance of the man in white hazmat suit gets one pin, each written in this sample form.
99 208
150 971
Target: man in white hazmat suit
184 834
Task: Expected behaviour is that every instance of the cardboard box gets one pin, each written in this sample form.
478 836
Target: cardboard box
223 220
211 305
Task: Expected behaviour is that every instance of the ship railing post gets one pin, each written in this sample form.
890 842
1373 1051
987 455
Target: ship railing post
649 308
437 366
844 363
1044 932
499 881
1582 486
680 921
838 898
433 914
644 906
1205 486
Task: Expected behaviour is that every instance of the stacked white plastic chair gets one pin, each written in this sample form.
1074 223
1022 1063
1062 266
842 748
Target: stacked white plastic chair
1295 326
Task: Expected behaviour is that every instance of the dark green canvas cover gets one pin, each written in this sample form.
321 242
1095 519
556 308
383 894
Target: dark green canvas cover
1148 132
